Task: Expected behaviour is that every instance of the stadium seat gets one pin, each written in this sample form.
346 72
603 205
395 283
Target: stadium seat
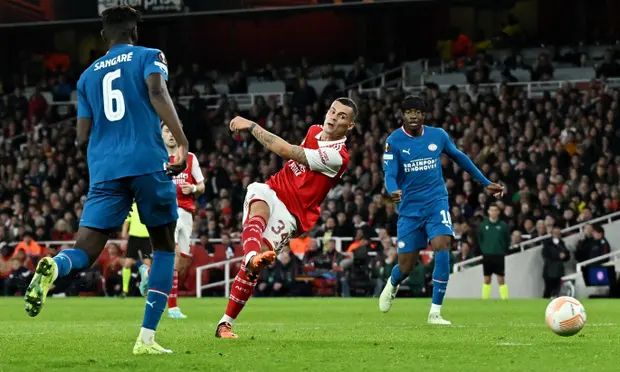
521 74
267 87
530 55
574 73
221 88
454 78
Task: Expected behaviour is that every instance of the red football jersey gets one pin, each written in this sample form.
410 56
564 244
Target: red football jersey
303 190
192 175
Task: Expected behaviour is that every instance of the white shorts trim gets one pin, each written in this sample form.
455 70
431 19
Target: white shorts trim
281 225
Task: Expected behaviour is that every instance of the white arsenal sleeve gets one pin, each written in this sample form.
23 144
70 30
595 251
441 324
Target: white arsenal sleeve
326 160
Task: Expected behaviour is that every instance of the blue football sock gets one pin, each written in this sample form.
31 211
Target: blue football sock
441 273
70 259
397 276
160 283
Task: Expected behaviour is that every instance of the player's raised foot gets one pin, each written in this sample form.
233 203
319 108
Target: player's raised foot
436 319
141 348
144 279
175 313
259 262
44 276
224 330
387 296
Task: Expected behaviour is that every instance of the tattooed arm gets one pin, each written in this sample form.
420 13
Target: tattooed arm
271 141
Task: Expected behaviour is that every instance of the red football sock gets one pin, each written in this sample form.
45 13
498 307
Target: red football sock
172 297
240 293
252 234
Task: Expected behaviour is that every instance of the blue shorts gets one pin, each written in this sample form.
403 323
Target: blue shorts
414 233
108 202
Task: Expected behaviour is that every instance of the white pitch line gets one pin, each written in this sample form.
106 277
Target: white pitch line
512 344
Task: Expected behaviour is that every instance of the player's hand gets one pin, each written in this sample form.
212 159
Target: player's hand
187 188
240 123
396 196
496 190
179 165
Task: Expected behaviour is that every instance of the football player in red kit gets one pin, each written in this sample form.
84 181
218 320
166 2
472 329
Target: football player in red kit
288 204
190 184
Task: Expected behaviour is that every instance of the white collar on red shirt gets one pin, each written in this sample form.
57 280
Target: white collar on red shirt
409 135
329 143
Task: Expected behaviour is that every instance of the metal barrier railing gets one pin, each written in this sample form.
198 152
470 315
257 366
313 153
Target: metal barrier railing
532 243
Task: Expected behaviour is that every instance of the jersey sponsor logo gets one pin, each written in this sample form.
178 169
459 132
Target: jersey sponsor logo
324 157
432 147
418 165
298 169
388 157
125 57
180 178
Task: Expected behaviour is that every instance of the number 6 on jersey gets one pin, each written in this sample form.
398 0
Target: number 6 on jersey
113 97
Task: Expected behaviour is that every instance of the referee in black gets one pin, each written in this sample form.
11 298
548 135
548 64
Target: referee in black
494 241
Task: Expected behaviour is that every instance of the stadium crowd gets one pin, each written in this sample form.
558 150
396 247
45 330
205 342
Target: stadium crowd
558 156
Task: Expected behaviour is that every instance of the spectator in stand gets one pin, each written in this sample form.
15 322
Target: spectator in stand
287 269
303 96
544 69
592 245
21 274
609 68
554 254
30 247
302 244
111 265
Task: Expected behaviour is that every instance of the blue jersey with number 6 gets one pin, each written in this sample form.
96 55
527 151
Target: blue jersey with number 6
125 137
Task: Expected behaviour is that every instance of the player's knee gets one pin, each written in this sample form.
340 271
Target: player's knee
92 241
441 243
162 237
259 208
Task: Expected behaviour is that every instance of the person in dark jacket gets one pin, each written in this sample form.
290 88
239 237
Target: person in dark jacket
554 254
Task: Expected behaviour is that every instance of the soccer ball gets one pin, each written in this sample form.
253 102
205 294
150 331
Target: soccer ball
565 316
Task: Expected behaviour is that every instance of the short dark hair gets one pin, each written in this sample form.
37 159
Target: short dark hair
494 205
599 229
414 103
350 103
120 19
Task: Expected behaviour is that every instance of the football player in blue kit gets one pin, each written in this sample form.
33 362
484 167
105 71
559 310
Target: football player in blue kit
414 180
121 98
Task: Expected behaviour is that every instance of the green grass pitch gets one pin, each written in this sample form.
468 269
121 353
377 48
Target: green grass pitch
318 334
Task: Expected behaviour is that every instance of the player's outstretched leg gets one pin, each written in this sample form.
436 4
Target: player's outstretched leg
47 271
441 274
254 261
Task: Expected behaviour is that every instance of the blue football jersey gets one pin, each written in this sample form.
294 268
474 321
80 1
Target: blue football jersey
413 165
125 136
